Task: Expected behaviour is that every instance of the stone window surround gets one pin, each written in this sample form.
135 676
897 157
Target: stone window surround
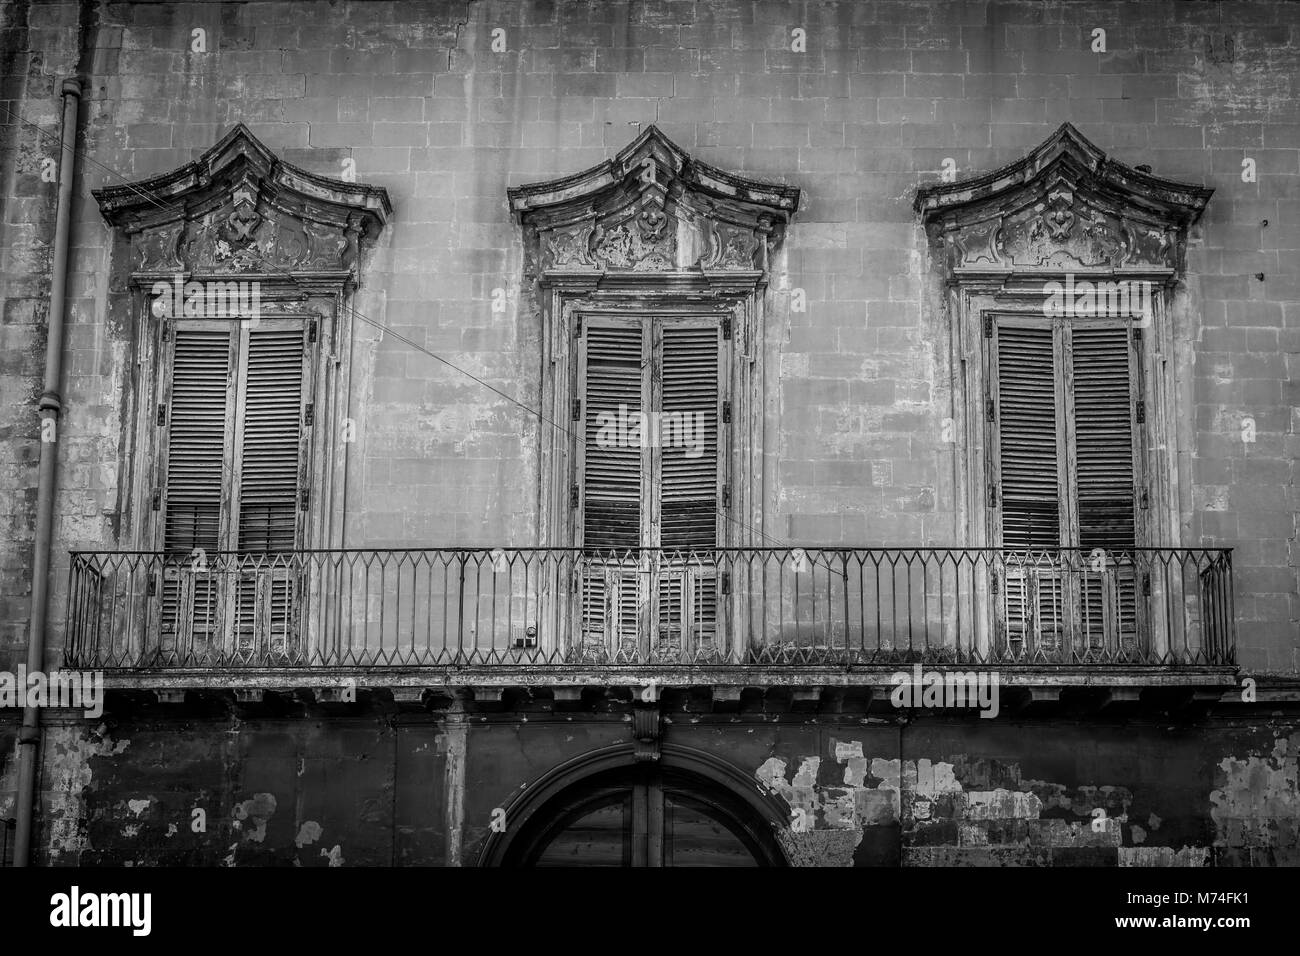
653 230
239 213
1065 209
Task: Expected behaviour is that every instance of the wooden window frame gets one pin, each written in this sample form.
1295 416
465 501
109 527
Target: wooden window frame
234 582
236 403
1066 427
734 299
737 299
971 299
652 325
324 298
970 306
651 572
1070 569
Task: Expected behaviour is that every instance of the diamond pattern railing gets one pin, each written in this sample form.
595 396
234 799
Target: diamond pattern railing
539 606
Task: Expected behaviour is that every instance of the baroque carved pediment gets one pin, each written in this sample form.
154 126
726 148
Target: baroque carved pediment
652 208
238 209
1064 207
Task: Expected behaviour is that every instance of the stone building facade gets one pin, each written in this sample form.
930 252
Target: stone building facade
973 330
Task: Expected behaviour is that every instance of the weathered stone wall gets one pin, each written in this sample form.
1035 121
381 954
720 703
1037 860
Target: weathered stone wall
417 790
414 95
278 792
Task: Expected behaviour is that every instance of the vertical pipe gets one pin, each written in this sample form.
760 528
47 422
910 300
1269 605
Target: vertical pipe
50 406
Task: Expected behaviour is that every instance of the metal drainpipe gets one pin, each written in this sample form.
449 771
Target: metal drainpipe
50 406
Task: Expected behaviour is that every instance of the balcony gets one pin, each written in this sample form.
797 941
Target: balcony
552 610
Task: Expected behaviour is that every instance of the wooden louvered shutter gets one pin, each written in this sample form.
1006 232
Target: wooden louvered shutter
1104 430
198 423
1027 487
688 393
611 499
230 496
612 387
196 441
269 441
658 490
688 478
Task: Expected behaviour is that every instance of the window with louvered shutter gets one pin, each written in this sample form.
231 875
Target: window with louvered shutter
1066 481
267 463
1029 455
688 477
1029 446
660 490
234 450
614 384
612 474
199 425
269 443
1104 368
688 482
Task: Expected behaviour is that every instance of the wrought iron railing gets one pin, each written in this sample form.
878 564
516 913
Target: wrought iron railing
468 606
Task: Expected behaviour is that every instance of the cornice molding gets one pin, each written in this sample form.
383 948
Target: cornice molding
1065 206
652 208
239 208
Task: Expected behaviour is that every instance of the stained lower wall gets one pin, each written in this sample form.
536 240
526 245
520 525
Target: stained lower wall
8 784
382 787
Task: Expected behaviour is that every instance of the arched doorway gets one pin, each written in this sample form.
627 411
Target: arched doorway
607 809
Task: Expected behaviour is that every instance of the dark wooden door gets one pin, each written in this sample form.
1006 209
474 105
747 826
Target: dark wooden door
646 818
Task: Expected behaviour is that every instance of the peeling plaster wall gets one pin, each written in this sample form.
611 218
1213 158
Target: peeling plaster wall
1047 794
1256 803
8 768
8 786
337 791
413 95
69 753
281 793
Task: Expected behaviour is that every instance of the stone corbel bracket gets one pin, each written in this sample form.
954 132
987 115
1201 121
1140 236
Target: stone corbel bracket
647 730
651 209
1066 206
239 209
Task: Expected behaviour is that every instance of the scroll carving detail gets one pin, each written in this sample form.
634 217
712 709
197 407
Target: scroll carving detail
652 209
1064 206
239 209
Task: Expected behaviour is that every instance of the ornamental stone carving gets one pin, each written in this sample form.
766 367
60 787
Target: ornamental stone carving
238 209
1066 206
652 209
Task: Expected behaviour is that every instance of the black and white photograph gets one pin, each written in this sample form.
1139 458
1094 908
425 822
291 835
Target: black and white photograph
651 433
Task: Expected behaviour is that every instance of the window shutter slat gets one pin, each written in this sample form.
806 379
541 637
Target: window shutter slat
196 442
612 472
1103 438
682 381
196 439
1030 498
689 424
269 448
1030 479
611 499
268 497
689 431
1104 475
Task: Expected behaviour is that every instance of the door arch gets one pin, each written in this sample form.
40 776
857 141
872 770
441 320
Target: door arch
607 809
